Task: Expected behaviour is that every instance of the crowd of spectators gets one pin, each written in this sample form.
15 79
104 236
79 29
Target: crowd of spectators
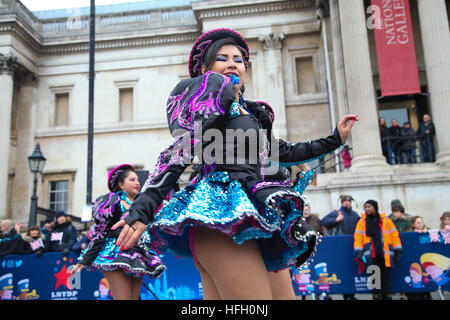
368 228
60 235
57 234
399 144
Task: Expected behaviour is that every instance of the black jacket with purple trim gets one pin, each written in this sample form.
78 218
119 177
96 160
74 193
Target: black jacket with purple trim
207 102
106 211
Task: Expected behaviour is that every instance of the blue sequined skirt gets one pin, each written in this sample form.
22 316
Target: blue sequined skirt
137 261
220 204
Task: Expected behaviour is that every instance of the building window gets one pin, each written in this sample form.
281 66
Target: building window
61 109
125 104
59 195
306 68
57 189
306 80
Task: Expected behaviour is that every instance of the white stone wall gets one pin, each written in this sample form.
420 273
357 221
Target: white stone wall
138 142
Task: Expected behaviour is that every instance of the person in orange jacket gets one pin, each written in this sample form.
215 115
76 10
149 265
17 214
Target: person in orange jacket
377 242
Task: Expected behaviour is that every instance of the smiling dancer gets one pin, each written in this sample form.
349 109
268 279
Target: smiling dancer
233 222
123 269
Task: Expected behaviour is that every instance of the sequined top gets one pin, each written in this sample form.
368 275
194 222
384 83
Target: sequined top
208 102
107 211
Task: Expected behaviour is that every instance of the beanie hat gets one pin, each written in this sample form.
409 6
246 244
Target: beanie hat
373 203
60 213
396 203
48 220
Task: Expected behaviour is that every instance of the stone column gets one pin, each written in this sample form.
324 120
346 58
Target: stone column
8 65
23 178
365 134
434 27
273 71
341 90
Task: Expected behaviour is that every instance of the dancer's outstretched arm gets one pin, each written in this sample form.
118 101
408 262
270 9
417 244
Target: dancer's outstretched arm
290 154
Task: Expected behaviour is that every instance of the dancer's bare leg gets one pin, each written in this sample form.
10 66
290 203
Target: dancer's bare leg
237 271
209 287
120 284
136 284
281 285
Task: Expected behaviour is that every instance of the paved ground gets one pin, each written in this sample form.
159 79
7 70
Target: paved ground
434 296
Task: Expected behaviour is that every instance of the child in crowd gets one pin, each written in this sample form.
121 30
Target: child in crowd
346 158
445 221
417 224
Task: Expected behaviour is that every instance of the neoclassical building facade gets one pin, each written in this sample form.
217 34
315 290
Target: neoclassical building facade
312 60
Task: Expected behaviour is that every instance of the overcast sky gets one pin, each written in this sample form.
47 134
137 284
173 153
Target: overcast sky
37 5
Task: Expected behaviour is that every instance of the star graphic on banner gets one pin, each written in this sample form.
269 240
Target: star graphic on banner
63 278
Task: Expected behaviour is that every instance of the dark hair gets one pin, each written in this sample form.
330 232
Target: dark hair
210 55
49 220
398 208
122 176
33 228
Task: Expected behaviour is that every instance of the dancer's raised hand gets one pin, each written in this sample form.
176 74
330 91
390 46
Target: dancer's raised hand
345 125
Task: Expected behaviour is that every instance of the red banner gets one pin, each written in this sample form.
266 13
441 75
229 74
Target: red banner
396 53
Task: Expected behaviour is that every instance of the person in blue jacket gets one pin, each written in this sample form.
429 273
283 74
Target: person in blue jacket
342 220
84 240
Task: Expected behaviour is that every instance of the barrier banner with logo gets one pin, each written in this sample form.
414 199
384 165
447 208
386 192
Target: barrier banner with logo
27 277
396 53
424 266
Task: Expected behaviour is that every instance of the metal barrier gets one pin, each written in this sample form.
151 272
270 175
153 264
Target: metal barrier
408 149
396 150
329 164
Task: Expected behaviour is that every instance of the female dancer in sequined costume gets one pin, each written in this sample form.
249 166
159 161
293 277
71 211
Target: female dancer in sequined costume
236 224
123 269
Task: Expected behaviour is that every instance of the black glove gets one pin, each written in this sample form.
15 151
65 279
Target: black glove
38 252
397 256
358 256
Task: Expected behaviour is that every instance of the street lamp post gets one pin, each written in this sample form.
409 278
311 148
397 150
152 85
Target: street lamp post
37 163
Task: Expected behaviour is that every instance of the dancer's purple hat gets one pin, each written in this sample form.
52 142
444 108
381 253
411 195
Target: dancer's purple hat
113 176
205 40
